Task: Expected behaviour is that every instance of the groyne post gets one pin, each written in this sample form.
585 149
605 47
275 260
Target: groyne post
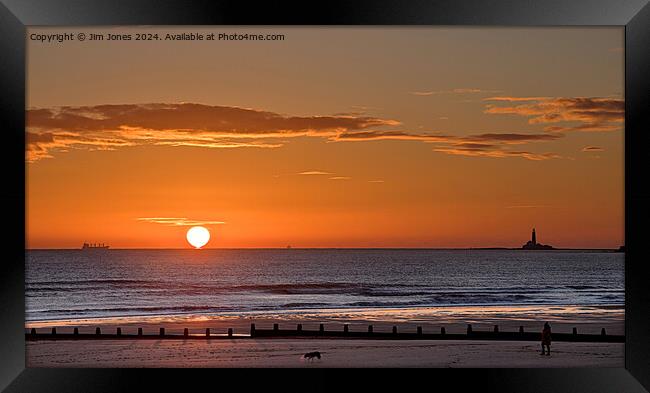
481 335
276 327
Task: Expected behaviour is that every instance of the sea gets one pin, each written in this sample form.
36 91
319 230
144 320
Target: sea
77 284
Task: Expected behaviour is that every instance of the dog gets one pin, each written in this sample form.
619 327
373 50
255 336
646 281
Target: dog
312 355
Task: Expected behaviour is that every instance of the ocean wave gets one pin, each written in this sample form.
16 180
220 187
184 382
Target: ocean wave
304 305
145 309
283 286
152 288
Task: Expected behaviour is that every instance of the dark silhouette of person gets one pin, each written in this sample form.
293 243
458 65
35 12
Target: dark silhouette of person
546 339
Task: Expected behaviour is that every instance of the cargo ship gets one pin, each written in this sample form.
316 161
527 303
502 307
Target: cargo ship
94 246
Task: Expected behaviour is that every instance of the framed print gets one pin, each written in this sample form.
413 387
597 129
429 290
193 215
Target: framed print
223 185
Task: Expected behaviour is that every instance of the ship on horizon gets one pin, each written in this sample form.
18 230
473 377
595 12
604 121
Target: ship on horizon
94 246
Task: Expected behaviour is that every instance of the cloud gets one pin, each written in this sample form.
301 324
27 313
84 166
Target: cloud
109 127
225 120
497 145
41 145
474 146
495 153
310 173
340 178
583 127
38 145
453 91
183 124
387 135
322 173
589 149
178 221
590 113
493 145
472 91
512 138
376 181
516 99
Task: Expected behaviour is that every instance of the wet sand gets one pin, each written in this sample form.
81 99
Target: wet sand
563 319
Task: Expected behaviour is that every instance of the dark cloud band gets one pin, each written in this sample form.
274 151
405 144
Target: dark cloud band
108 127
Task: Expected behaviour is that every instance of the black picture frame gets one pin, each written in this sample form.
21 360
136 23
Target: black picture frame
16 15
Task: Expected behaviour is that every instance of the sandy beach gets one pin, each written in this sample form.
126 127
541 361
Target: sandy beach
335 353
281 352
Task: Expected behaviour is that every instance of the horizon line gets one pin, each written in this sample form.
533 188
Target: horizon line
330 248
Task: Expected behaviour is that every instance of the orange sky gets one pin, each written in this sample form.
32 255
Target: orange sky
334 137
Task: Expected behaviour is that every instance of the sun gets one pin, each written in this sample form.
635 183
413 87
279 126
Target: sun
198 236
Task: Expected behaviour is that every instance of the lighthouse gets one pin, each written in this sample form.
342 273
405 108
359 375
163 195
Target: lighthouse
534 238
533 245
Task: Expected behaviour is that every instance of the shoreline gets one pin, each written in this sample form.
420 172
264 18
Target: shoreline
587 319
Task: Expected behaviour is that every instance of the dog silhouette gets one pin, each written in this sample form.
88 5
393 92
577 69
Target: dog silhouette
312 355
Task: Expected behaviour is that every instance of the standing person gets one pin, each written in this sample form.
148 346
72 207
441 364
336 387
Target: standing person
546 339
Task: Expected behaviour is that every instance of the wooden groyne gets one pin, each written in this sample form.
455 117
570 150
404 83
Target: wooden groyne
494 334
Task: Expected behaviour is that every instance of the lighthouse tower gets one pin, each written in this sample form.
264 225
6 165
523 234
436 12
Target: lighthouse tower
533 245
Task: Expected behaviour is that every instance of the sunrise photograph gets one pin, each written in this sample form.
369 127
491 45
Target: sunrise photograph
301 197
